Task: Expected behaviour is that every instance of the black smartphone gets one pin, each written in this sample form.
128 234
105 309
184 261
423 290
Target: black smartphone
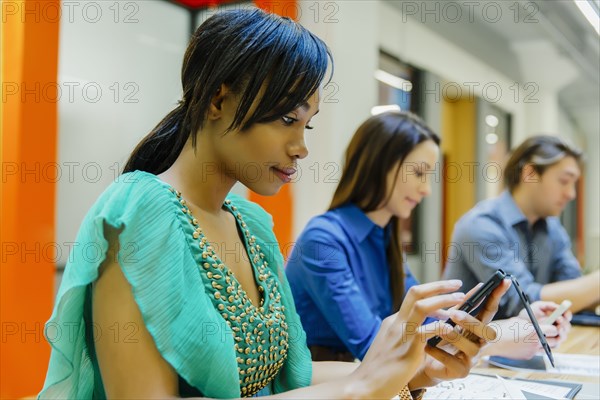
536 326
472 304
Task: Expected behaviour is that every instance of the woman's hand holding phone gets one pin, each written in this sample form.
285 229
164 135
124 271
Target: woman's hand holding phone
398 350
455 354
399 355
477 297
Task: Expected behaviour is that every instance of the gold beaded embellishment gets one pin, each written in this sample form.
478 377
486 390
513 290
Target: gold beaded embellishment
260 333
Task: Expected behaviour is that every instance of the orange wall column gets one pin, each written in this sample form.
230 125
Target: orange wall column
280 206
459 125
28 146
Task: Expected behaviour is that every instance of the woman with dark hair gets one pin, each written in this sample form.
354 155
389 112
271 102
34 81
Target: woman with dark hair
188 297
347 272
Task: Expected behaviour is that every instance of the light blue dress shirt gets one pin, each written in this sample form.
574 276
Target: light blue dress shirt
496 234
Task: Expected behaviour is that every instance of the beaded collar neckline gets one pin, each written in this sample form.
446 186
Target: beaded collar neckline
253 250
260 333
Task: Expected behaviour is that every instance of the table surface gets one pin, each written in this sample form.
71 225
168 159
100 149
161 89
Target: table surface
581 340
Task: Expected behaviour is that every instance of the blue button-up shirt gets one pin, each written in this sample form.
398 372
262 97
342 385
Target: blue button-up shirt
340 279
496 234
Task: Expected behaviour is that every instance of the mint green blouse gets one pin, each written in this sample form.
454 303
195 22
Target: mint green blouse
201 320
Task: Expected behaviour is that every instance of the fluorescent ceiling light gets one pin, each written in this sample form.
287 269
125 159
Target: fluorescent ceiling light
589 13
381 109
393 80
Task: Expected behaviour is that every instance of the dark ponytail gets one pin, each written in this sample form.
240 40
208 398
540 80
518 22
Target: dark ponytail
249 51
161 147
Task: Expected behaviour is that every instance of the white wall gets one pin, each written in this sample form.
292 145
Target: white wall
590 144
592 194
348 29
123 62
411 41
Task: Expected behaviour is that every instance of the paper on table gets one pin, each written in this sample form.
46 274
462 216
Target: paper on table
487 387
513 391
575 364
540 389
565 364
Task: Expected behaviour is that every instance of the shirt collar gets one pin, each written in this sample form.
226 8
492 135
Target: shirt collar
509 211
512 214
359 224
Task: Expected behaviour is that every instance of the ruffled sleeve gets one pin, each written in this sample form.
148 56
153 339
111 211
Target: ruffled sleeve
157 261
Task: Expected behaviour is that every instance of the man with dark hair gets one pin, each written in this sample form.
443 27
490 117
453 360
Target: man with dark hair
520 232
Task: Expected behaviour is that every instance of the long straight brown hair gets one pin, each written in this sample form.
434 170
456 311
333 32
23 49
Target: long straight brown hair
381 143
